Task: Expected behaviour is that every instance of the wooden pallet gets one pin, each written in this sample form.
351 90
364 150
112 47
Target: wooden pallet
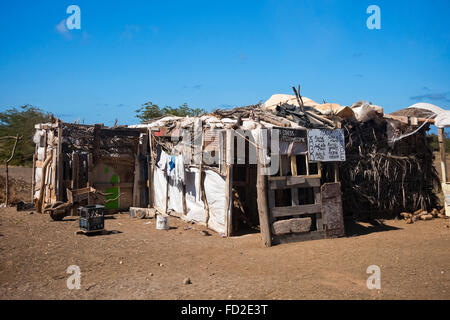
320 218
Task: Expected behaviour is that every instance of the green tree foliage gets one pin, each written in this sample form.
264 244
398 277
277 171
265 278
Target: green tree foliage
150 111
20 121
434 142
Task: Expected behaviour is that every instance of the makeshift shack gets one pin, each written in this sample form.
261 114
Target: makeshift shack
74 162
247 169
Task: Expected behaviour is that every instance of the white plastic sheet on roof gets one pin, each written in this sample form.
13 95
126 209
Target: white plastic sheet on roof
442 119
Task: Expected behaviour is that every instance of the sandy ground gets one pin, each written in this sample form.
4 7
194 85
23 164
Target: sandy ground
137 261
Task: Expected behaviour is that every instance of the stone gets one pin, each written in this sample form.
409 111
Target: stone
296 225
142 213
187 281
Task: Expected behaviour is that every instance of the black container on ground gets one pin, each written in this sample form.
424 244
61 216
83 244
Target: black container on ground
92 218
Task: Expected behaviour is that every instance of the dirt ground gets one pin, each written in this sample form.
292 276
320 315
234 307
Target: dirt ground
136 261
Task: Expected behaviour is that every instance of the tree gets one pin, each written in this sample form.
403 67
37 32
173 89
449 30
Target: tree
20 121
150 111
434 142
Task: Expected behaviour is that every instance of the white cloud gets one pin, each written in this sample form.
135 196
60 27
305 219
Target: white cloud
62 29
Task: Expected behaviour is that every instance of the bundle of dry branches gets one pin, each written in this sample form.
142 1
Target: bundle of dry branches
379 178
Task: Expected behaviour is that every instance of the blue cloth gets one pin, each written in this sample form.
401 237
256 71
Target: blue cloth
171 163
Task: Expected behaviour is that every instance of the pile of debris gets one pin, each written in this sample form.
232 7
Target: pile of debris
423 215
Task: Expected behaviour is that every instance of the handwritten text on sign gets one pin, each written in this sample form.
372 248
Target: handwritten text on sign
326 145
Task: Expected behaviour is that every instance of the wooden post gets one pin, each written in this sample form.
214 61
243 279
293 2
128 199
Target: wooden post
441 137
33 177
200 167
60 186
39 203
336 164
166 209
6 167
90 177
201 178
263 208
136 186
336 172
229 181
150 170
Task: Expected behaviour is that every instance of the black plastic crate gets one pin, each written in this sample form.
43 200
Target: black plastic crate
92 218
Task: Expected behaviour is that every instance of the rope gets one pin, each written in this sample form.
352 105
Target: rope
251 142
414 132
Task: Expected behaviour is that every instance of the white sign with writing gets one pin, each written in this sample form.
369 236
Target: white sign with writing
326 145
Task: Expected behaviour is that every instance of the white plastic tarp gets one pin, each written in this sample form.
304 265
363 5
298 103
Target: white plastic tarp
442 119
214 185
159 187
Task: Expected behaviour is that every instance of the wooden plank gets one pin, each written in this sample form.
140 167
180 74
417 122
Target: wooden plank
54 177
333 191
59 178
75 170
441 138
90 177
408 120
278 212
307 164
294 165
40 201
319 222
282 184
39 164
298 237
333 218
122 185
293 181
318 200
136 189
294 197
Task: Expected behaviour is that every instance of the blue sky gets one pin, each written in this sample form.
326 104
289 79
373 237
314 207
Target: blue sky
214 54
